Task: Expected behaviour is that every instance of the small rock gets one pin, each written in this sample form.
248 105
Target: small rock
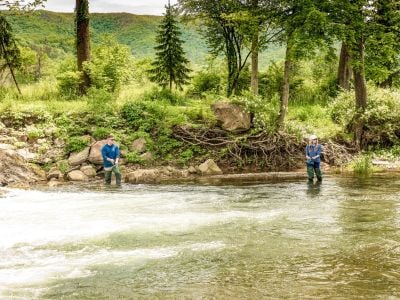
53 183
77 175
76 159
89 171
192 170
138 145
54 173
143 176
209 167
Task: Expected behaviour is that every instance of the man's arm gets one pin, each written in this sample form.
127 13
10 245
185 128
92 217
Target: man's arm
117 152
104 154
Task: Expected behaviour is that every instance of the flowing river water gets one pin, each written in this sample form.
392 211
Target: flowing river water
276 240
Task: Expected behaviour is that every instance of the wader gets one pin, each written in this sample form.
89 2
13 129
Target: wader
108 173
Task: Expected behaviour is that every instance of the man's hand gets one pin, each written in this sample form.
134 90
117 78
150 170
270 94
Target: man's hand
307 157
110 160
116 161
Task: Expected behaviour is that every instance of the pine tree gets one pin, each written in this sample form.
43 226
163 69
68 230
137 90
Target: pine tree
169 67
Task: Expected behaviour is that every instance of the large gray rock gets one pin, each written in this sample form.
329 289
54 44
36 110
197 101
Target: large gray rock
27 155
143 176
138 145
95 156
209 167
77 175
75 159
232 117
89 171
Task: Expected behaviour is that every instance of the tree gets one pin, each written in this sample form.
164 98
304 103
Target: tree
305 29
170 65
359 24
83 42
9 50
219 26
344 69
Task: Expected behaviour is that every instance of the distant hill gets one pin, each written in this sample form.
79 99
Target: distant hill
136 31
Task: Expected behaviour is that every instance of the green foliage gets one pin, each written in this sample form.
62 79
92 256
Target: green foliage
134 158
362 165
101 133
170 65
142 116
205 81
381 118
111 65
77 144
68 83
264 111
164 95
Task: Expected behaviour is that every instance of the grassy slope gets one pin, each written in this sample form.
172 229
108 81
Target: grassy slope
136 31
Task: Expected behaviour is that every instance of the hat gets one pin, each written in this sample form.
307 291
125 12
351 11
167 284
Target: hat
313 137
110 137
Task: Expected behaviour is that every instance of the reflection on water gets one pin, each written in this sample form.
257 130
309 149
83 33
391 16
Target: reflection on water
339 239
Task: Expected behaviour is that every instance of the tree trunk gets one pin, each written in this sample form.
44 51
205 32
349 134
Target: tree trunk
285 87
344 71
254 65
254 55
83 41
360 89
10 66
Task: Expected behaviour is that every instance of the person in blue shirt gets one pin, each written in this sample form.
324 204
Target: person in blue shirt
110 153
313 155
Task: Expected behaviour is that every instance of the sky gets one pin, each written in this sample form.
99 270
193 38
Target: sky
139 7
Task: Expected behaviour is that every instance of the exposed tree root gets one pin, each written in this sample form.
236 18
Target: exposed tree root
261 151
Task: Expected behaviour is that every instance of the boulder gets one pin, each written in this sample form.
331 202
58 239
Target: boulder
143 176
138 145
89 171
77 175
27 155
209 167
95 156
77 158
231 117
54 173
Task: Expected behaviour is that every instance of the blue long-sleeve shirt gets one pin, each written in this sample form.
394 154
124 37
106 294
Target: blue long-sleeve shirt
314 150
109 152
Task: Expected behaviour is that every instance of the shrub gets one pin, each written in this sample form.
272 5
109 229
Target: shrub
205 81
362 165
264 112
134 158
77 144
143 116
381 118
164 95
111 65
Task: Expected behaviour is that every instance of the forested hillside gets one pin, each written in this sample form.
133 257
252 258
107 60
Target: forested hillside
136 31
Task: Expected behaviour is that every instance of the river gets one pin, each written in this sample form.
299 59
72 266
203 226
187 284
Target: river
265 240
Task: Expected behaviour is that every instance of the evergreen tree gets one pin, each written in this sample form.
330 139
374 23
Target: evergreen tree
169 66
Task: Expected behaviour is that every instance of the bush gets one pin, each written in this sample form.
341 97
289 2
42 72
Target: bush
205 81
77 144
264 112
381 118
111 65
164 95
143 116
134 158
